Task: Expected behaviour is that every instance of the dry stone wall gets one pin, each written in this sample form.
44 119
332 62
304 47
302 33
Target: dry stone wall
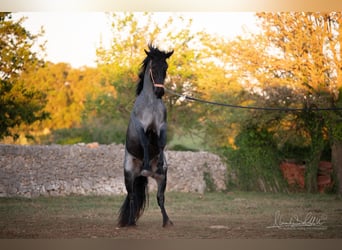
92 169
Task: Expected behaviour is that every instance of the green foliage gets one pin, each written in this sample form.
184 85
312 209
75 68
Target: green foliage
20 103
65 136
181 147
295 152
294 63
122 60
256 161
290 64
101 134
103 120
209 182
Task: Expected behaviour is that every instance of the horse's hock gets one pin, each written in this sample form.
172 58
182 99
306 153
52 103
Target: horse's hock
94 169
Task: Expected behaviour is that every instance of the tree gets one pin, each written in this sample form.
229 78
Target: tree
295 62
120 63
310 58
68 93
335 125
19 103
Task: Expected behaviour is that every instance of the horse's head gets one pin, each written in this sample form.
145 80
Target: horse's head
158 68
156 60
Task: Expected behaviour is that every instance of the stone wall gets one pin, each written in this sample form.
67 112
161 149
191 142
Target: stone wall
30 171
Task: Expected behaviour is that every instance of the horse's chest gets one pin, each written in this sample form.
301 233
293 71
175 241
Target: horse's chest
152 117
150 112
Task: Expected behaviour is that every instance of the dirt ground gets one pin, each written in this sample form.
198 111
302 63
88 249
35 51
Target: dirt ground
232 215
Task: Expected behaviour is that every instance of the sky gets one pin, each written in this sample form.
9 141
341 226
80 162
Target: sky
73 37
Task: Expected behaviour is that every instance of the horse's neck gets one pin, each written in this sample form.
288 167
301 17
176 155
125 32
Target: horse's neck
148 85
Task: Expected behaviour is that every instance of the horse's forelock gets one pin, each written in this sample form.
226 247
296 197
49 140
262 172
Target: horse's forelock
155 53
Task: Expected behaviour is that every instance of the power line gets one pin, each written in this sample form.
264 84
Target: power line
248 107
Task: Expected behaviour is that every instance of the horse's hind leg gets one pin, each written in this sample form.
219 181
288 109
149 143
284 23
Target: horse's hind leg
129 182
128 209
161 181
161 145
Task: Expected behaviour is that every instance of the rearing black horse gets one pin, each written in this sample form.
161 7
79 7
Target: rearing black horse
146 139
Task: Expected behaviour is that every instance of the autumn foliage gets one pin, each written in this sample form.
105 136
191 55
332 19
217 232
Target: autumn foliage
294 62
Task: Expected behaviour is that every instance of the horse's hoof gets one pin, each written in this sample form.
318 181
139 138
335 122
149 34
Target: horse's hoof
168 224
146 173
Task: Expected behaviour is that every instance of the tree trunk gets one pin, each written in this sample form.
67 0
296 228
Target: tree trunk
311 172
336 158
315 125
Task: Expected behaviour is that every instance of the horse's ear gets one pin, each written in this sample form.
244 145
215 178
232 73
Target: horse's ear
147 53
169 54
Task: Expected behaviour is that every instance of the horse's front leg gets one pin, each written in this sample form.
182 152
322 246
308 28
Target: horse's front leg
144 142
161 199
146 169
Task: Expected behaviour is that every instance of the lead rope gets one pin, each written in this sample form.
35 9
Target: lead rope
186 97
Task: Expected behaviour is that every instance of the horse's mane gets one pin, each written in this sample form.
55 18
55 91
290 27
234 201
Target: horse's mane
154 53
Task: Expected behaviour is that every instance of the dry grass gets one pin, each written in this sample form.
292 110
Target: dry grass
195 216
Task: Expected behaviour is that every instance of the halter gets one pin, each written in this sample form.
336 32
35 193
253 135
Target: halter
159 85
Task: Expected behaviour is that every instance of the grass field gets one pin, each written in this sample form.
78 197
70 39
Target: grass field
195 216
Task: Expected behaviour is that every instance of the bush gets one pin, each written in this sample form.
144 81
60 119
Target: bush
256 162
103 134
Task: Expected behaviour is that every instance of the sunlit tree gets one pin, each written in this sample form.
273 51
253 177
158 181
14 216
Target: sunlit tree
20 103
131 32
294 63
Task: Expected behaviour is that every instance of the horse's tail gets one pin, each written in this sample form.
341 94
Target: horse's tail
139 203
